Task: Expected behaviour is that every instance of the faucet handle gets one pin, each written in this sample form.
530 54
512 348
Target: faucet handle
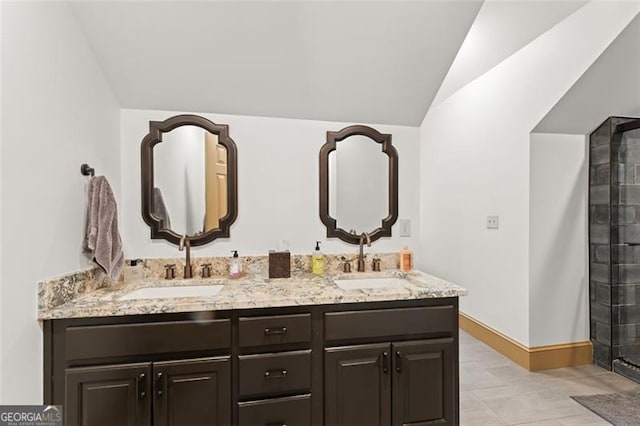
346 266
170 271
206 270
376 265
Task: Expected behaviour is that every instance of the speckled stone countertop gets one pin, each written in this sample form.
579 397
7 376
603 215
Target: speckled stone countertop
251 291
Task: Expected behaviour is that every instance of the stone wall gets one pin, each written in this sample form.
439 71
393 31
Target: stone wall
614 243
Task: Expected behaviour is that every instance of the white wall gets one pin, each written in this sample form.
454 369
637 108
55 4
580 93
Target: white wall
57 112
558 244
475 162
1 85
278 181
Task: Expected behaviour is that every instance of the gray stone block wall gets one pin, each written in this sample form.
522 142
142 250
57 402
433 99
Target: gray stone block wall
614 244
600 243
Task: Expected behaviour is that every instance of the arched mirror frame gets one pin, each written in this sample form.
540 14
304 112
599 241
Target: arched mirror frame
382 138
156 129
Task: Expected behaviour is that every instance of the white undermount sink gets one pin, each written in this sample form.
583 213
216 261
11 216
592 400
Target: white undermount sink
373 283
176 291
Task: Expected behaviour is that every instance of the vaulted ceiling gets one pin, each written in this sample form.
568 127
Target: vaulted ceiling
501 29
382 62
611 86
374 62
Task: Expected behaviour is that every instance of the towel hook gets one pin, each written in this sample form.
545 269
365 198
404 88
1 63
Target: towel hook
86 170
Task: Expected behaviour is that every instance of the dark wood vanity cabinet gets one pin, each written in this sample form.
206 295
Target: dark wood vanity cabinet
108 395
409 378
173 393
192 392
357 389
374 363
406 383
423 377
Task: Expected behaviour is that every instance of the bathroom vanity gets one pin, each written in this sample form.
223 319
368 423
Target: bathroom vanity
340 349
295 351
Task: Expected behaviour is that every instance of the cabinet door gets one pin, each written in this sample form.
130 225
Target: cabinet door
357 385
108 395
424 382
194 392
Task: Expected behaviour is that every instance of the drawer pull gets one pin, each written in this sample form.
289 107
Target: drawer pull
275 331
275 374
276 424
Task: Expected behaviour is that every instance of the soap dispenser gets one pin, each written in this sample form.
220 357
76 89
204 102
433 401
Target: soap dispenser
406 259
317 261
235 265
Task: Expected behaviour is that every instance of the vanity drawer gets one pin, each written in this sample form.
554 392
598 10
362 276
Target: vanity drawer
274 373
389 322
274 330
119 340
289 411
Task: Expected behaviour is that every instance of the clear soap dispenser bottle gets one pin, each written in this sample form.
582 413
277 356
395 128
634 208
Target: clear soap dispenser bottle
317 261
235 265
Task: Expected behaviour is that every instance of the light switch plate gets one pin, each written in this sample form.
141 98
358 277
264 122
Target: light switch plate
405 227
492 222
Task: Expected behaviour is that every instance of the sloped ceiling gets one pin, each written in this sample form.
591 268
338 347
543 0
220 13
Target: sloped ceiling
375 62
611 86
501 29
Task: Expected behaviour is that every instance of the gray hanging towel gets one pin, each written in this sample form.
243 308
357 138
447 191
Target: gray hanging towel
102 240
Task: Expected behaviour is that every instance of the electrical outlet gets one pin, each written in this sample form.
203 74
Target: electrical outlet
405 227
492 222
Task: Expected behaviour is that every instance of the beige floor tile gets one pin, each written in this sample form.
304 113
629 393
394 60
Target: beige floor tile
541 423
496 391
533 407
601 383
478 378
573 372
511 390
588 419
469 402
484 417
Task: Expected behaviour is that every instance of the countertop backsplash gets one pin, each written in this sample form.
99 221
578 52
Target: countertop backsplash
64 288
258 265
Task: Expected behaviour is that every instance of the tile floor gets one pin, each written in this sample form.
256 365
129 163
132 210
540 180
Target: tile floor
496 391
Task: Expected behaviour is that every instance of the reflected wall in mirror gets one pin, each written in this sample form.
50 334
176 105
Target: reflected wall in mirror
188 179
358 184
358 171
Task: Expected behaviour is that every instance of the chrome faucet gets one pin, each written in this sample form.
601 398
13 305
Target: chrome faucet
186 244
363 236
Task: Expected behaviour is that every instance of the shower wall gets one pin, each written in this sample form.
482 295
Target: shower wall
614 243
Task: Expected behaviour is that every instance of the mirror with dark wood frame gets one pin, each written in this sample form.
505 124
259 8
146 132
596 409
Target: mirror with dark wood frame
358 184
189 179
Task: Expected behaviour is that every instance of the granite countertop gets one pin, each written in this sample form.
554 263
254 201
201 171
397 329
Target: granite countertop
249 292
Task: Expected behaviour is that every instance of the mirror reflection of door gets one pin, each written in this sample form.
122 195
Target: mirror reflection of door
190 176
215 181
